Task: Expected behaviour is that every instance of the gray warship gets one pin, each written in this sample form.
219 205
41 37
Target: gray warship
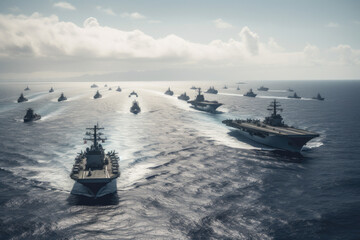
22 98
201 104
97 95
294 96
94 86
212 90
94 171
51 90
27 88
184 97
319 97
118 89
250 93
31 116
133 93
169 92
262 88
62 98
272 131
135 108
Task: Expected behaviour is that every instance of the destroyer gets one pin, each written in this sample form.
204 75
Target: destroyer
250 93
184 97
294 96
169 92
319 97
27 88
262 88
97 95
272 131
212 90
62 98
22 98
135 108
118 89
51 90
201 104
94 171
94 86
133 93
31 116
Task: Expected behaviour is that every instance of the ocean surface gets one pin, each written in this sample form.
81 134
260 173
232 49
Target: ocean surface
184 174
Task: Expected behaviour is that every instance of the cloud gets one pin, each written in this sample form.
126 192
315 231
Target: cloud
251 40
332 25
64 5
108 11
219 23
134 15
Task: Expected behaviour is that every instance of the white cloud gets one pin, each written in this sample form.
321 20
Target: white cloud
108 11
64 5
219 23
251 40
134 15
332 25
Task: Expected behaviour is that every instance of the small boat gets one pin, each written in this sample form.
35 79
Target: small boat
51 90
118 89
290 90
133 93
250 93
31 116
22 98
97 95
94 86
294 96
184 97
193 88
169 92
62 98
319 97
262 88
135 109
212 90
27 88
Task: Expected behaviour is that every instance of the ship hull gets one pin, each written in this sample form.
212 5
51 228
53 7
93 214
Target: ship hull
203 106
94 189
292 143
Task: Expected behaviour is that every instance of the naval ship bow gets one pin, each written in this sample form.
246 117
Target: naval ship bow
93 169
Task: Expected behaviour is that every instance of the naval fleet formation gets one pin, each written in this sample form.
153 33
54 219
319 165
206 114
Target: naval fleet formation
96 171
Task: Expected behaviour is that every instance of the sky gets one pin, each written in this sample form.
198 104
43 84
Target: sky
224 40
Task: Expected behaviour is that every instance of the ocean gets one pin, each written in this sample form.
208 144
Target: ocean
184 174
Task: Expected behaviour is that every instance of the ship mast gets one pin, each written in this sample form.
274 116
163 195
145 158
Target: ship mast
95 135
274 106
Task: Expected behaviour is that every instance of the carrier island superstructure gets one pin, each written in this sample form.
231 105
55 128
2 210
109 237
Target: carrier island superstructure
272 131
95 171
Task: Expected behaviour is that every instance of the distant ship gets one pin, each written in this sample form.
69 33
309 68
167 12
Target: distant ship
201 104
290 90
262 88
62 98
319 97
31 116
97 95
272 131
105 85
212 90
184 97
193 87
27 88
110 88
169 92
118 89
250 93
22 98
94 86
51 90
93 169
133 93
225 87
238 88
135 108
294 96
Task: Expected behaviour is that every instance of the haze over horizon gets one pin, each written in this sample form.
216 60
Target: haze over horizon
163 40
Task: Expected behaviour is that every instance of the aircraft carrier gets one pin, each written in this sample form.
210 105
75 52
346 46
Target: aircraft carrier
94 171
272 131
204 105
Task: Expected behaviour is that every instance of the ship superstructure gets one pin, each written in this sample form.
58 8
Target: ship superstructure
272 131
95 170
184 97
201 104
22 98
169 92
31 116
135 108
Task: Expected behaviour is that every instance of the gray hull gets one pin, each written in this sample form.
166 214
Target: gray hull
94 190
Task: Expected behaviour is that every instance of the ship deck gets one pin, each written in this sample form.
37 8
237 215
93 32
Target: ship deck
284 131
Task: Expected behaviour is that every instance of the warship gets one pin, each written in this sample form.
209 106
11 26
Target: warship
133 93
238 88
27 88
212 90
225 87
51 90
169 92
262 88
22 98
294 96
201 104
62 98
184 97
193 87
31 116
118 89
135 108
250 93
290 90
272 131
105 85
94 86
319 97
97 95
110 88
94 171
